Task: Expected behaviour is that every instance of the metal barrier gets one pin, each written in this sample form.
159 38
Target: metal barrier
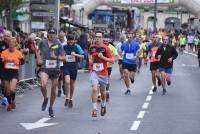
27 71
27 76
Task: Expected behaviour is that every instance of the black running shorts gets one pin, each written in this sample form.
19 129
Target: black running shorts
130 67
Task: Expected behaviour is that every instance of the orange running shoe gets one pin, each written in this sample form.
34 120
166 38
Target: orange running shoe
13 105
9 108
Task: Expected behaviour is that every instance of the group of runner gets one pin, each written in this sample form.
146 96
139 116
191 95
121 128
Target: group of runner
57 58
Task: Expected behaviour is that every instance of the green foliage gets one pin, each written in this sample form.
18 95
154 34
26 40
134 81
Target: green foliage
5 4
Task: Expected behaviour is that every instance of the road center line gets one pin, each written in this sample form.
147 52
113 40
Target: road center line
148 98
135 125
145 105
150 92
141 114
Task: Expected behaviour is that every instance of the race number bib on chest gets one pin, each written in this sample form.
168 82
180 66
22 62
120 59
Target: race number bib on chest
51 63
11 65
98 66
129 56
70 58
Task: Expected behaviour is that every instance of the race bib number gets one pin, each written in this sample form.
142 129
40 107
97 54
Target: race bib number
70 58
129 56
51 63
11 65
98 66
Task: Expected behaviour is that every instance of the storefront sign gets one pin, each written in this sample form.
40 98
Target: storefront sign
38 25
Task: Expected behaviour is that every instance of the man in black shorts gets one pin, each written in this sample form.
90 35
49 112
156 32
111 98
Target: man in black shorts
48 56
129 60
154 63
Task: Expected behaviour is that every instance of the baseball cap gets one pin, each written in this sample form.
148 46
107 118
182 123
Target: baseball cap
52 31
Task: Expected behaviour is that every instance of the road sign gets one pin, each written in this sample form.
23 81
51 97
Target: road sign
41 14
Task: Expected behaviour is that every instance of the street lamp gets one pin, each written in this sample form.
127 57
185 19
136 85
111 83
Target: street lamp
155 16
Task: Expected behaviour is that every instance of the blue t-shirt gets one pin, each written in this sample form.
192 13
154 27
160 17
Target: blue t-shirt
129 51
79 48
71 63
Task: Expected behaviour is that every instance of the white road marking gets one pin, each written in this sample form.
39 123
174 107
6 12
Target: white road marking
150 92
148 98
141 114
135 125
190 53
38 124
184 65
145 105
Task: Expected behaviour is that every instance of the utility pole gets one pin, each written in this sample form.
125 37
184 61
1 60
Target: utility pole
181 16
57 16
155 16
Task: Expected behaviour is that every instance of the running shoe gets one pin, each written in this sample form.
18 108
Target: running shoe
59 93
9 108
128 92
154 89
70 105
94 112
51 114
13 105
66 102
44 104
164 91
103 110
168 83
159 82
99 98
132 80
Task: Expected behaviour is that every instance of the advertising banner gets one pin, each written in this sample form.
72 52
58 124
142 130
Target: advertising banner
145 1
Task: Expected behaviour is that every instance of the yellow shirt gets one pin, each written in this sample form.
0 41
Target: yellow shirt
141 50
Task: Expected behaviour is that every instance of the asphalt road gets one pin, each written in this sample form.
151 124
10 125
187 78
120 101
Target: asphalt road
178 112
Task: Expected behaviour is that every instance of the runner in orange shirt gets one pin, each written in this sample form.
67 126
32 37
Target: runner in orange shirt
11 59
154 63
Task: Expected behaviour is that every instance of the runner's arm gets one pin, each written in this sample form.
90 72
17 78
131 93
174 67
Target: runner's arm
100 55
22 61
158 54
175 53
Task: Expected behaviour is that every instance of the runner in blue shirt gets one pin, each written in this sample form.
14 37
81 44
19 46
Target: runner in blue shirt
129 60
72 53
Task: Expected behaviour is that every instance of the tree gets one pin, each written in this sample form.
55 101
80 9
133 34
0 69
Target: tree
10 6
